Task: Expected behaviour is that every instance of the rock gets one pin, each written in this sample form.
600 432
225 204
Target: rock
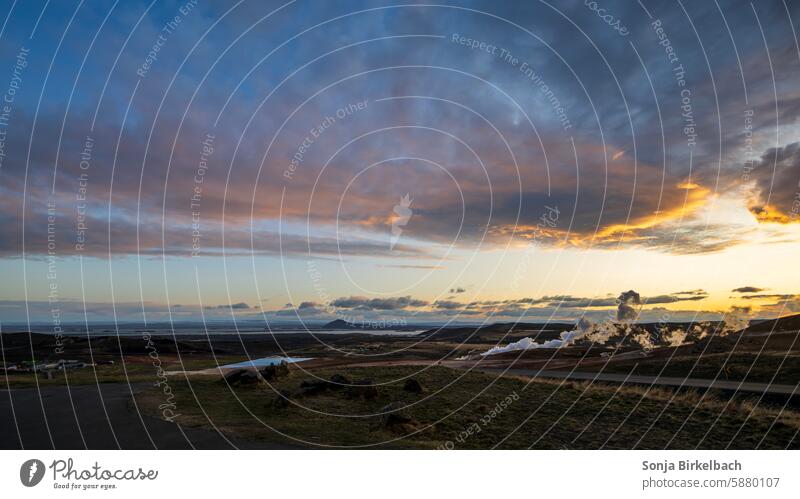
413 386
232 377
248 378
339 381
281 400
241 377
363 388
276 371
313 387
397 417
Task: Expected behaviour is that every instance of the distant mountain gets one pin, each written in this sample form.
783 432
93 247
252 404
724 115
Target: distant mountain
369 326
340 324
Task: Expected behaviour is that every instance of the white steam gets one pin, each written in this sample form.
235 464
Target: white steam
734 320
628 309
674 338
584 330
643 338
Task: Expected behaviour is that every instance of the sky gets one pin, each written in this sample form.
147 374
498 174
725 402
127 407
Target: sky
397 162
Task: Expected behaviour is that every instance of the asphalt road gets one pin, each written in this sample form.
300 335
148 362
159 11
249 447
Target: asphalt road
45 419
765 388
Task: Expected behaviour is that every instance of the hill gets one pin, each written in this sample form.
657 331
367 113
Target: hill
786 323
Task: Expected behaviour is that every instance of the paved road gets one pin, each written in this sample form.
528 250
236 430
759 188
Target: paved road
88 426
766 388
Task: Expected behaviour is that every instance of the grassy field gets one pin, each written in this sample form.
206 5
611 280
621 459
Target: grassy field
474 410
135 369
765 367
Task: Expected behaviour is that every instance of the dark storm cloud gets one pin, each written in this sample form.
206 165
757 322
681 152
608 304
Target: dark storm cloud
605 197
776 197
102 236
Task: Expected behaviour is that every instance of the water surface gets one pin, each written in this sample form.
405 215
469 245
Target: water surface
268 361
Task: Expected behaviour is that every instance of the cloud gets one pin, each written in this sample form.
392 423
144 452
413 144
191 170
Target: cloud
72 312
514 307
622 177
653 300
363 303
411 266
768 297
448 305
595 181
354 308
776 192
747 289
232 306
569 301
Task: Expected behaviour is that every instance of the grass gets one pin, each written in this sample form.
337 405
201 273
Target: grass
135 369
460 410
740 366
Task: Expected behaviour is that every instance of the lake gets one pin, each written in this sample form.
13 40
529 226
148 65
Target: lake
268 361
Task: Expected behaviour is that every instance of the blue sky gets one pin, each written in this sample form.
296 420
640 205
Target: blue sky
668 149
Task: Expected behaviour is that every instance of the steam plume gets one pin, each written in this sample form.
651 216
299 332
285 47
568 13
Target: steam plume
629 305
628 310
585 329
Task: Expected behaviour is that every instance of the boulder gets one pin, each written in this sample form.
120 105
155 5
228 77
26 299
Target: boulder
313 387
397 417
248 378
339 381
241 377
232 376
413 386
275 371
363 388
281 400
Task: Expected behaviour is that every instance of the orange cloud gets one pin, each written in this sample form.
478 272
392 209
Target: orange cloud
770 214
696 197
